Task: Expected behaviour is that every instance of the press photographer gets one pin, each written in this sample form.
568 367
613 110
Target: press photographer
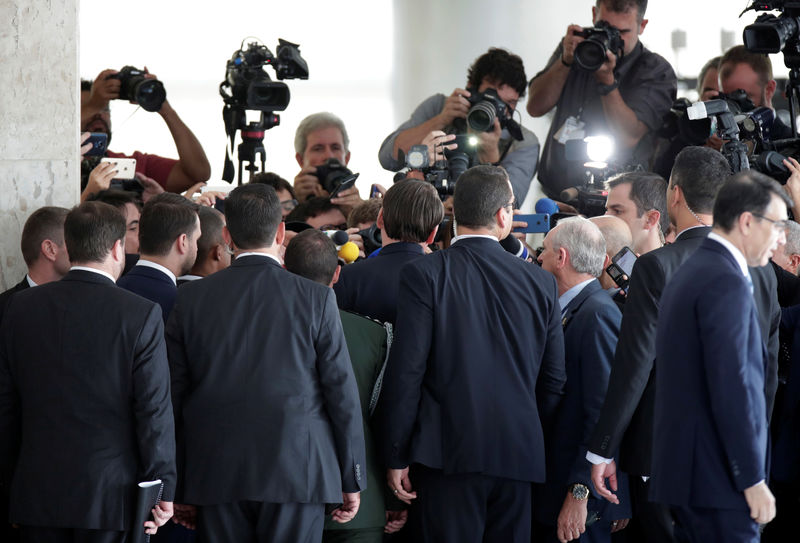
602 81
142 88
495 83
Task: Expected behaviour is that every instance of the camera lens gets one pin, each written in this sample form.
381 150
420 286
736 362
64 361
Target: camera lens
590 54
481 116
149 93
457 163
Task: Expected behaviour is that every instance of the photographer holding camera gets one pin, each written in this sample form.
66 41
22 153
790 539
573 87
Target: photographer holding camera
143 88
601 80
495 83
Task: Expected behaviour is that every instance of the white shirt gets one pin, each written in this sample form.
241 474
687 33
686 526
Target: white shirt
737 254
93 270
31 282
189 277
467 236
159 267
273 257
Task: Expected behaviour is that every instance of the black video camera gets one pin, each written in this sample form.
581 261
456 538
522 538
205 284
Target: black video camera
333 174
248 86
135 87
486 107
590 54
770 34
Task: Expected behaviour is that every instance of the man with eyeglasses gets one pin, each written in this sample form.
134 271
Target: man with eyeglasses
438 120
710 453
475 373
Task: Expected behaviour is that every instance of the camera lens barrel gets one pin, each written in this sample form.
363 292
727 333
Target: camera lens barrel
480 117
590 54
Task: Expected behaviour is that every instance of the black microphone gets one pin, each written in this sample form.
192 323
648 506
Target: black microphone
514 246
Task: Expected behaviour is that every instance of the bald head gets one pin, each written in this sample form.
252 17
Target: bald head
615 231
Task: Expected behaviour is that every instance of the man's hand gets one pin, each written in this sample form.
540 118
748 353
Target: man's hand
400 484
601 472
162 512
356 238
395 520
605 75
792 186
437 143
620 524
99 179
348 509
761 502
455 106
488 150
151 186
104 89
347 199
307 185
85 147
185 515
570 42
571 519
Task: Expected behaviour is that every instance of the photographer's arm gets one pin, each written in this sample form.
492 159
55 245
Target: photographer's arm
192 166
103 90
622 120
545 89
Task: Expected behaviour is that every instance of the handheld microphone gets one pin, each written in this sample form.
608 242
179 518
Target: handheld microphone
546 206
349 252
515 247
339 237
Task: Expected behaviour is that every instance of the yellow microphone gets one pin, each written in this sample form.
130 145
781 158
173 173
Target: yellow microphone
348 252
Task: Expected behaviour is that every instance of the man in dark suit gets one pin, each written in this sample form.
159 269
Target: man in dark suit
43 250
574 252
168 233
626 423
474 376
85 414
266 405
408 220
710 450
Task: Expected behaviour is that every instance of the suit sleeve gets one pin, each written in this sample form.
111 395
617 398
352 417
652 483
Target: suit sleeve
726 344
597 352
341 397
408 362
10 419
179 384
552 376
155 429
633 359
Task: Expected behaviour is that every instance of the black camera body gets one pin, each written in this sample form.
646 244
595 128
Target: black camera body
443 174
486 107
332 174
135 87
590 54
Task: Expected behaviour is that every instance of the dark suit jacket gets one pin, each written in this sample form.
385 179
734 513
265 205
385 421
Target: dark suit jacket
152 284
591 326
710 406
5 297
369 287
83 370
785 464
265 399
626 419
477 365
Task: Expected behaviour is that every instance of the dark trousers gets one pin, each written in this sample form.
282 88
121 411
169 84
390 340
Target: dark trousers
703 525
367 535
257 522
35 534
468 508
651 522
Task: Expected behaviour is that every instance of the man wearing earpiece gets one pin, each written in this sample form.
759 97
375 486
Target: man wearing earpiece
497 80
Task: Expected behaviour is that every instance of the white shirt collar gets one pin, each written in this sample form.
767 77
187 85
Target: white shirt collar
159 267
31 282
273 257
737 254
467 236
189 277
690 228
93 270
570 295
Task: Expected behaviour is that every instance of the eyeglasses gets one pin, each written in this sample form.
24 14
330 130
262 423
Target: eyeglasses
289 205
342 226
776 224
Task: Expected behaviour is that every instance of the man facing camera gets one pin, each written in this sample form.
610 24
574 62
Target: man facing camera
408 220
625 97
710 452
448 403
497 80
266 404
86 414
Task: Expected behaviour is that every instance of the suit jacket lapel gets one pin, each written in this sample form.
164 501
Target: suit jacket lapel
578 300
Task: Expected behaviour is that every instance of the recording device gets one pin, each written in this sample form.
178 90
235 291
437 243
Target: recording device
372 239
126 167
590 54
135 87
334 177
99 142
339 237
538 223
486 107
621 267
443 174
515 247
248 87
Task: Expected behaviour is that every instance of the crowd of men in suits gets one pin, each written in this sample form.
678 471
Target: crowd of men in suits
487 398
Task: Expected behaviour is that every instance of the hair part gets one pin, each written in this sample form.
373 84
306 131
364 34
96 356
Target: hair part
91 230
312 254
252 214
43 224
746 191
583 241
314 122
411 210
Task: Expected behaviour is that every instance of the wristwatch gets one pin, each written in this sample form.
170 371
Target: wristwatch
579 492
605 90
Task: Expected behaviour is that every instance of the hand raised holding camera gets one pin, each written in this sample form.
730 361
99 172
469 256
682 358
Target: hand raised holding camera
455 107
570 41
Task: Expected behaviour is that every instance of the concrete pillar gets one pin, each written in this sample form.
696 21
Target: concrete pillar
39 118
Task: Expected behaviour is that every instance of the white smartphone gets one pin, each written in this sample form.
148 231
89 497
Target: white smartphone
126 167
